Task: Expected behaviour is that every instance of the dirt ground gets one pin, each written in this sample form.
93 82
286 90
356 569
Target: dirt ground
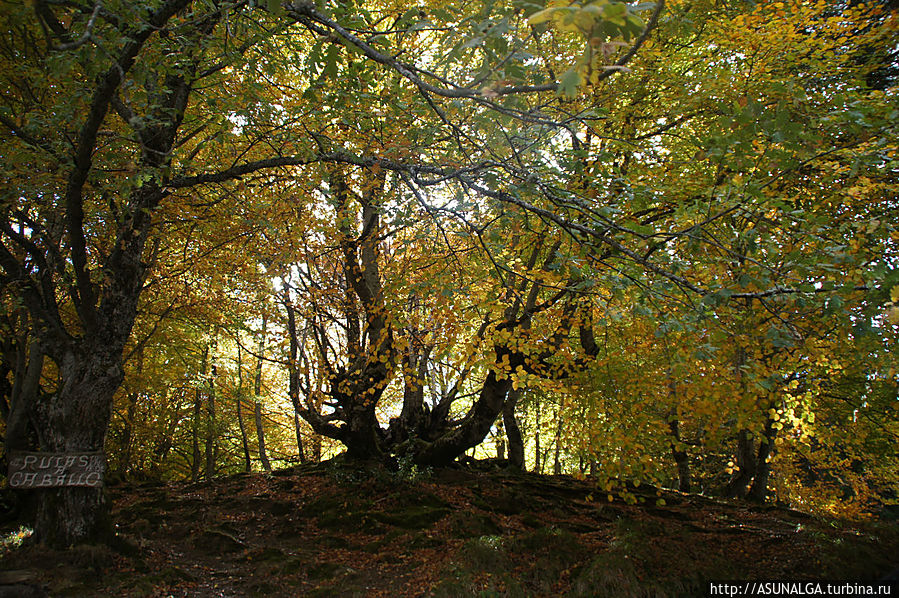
341 531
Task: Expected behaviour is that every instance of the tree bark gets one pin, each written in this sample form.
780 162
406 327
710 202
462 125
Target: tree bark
195 435
557 462
475 427
538 462
244 441
739 485
200 424
513 432
758 491
681 458
297 427
211 423
76 418
294 385
95 286
260 436
316 448
257 399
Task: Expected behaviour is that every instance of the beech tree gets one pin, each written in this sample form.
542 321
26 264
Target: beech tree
555 153
102 123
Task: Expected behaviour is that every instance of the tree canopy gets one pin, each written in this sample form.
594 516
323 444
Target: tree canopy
651 240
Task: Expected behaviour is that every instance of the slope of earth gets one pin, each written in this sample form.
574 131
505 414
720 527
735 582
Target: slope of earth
335 530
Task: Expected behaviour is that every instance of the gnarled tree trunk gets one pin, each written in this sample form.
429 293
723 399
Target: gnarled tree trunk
75 419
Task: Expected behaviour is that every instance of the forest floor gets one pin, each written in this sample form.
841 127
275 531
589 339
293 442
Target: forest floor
338 531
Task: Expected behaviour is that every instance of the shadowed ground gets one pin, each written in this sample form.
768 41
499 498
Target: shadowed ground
336 530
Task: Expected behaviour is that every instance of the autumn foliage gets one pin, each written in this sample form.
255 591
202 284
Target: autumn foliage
653 242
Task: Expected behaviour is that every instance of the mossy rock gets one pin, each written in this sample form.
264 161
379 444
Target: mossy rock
613 575
287 483
269 554
289 530
486 554
550 551
421 540
318 571
352 521
508 502
175 575
531 520
326 570
332 542
293 566
464 583
383 541
578 527
70 588
409 498
219 541
347 515
469 524
417 517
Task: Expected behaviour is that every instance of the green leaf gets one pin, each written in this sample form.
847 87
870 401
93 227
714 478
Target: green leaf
570 81
274 7
717 298
542 16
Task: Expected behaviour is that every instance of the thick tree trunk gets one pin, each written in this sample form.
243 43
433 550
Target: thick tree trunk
75 419
99 291
513 432
684 482
362 439
475 427
759 490
316 448
297 427
681 458
72 515
739 485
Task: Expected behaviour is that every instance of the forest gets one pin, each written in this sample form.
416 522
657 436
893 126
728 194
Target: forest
652 242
